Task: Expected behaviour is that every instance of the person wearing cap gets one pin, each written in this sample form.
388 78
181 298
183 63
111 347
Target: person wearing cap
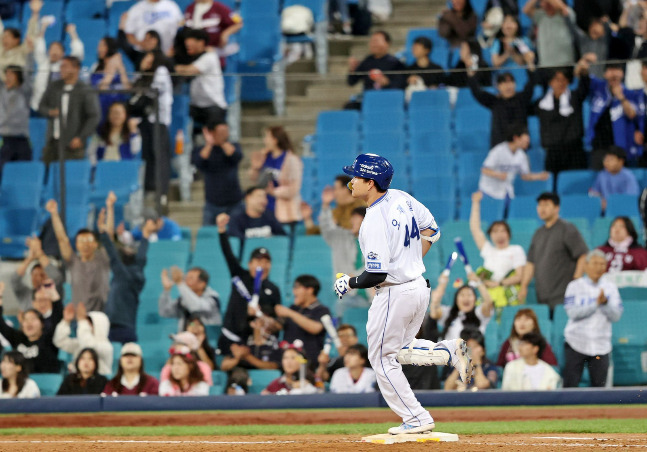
302 320
254 219
127 266
218 160
130 378
190 340
185 378
614 179
236 328
164 227
196 297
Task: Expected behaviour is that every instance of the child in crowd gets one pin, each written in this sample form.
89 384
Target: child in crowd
186 378
485 374
86 380
15 382
529 373
356 376
290 382
131 378
205 351
614 179
525 321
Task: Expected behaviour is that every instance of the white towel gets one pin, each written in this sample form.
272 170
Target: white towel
565 107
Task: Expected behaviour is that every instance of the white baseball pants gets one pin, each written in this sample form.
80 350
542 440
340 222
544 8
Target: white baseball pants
395 316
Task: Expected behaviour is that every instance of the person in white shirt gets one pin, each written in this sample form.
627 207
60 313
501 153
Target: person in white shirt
163 16
503 263
15 382
207 90
504 162
355 377
529 373
592 304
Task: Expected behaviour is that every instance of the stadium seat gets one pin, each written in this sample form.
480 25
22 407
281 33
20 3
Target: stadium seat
469 172
464 99
120 177
492 342
261 378
339 145
90 31
575 182
377 121
114 14
582 206
443 209
425 166
537 160
358 317
432 121
48 384
629 345
50 8
491 209
442 187
560 319
473 130
622 205
532 188
388 100
387 144
83 9
431 144
344 121
77 178
432 98
219 382
22 183
37 137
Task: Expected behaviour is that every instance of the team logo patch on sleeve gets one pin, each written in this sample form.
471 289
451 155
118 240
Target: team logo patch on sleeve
372 256
373 265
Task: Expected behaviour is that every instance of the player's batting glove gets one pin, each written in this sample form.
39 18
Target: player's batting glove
342 285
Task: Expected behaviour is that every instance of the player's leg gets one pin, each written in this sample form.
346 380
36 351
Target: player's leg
390 314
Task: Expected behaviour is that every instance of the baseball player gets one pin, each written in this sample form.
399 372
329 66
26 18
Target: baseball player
397 231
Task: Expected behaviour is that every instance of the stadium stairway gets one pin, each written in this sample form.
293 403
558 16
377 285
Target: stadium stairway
311 94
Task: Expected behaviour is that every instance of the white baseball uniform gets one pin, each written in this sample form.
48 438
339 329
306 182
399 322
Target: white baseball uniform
390 242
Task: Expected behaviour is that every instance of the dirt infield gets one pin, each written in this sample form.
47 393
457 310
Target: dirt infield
315 417
471 443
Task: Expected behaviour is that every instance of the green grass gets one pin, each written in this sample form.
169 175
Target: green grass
463 428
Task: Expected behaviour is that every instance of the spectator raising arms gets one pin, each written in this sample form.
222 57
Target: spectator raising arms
86 380
502 262
622 250
458 23
48 303
117 138
528 372
279 169
15 93
290 382
12 51
109 73
186 378
356 377
15 382
525 321
163 16
485 375
555 41
91 332
32 340
130 378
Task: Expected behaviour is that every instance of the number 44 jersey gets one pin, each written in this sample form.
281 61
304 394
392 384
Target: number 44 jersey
390 236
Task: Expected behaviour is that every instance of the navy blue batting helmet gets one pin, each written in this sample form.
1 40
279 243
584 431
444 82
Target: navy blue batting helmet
374 167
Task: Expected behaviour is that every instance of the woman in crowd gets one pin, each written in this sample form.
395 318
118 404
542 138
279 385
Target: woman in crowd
289 382
622 249
525 321
156 75
117 138
131 378
464 312
528 372
109 73
186 378
280 170
510 49
205 351
485 374
458 23
15 382
86 380
356 376
188 340
503 263
32 335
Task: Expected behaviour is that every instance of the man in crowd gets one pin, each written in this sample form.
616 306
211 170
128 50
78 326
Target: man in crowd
164 227
347 336
592 305
89 270
261 351
302 320
73 111
48 302
555 43
162 16
556 256
196 297
218 160
253 219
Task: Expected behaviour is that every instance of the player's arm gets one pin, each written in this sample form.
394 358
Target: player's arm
426 244
367 280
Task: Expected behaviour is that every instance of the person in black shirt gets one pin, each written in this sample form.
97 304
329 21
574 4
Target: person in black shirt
260 352
508 106
421 50
218 160
371 70
302 320
471 57
32 340
253 219
86 380
235 326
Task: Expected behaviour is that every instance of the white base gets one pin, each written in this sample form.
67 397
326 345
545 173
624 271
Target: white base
411 437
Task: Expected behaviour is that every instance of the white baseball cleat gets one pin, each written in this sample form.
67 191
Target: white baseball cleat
408 428
423 356
462 361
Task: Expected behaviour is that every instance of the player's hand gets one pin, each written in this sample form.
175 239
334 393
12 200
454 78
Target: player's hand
342 285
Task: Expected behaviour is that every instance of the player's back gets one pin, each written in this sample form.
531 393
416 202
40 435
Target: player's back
390 236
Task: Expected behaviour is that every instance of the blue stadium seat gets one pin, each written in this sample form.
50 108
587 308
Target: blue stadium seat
575 182
431 144
522 231
640 174
469 172
329 167
537 160
386 144
344 121
77 178
430 121
443 209
560 319
51 8
47 383
219 382
261 378
358 317
479 7
167 253
377 121
492 343
491 209
114 14
251 8
583 225
532 188
16 224
464 99
90 31
37 137
83 9
342 146
533 130
473 130
582 206
383 100
622 205
121 177
22 183
629 345
433 98
278 247
443 187
425 166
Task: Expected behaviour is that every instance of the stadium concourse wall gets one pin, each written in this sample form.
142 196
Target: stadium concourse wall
91 404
